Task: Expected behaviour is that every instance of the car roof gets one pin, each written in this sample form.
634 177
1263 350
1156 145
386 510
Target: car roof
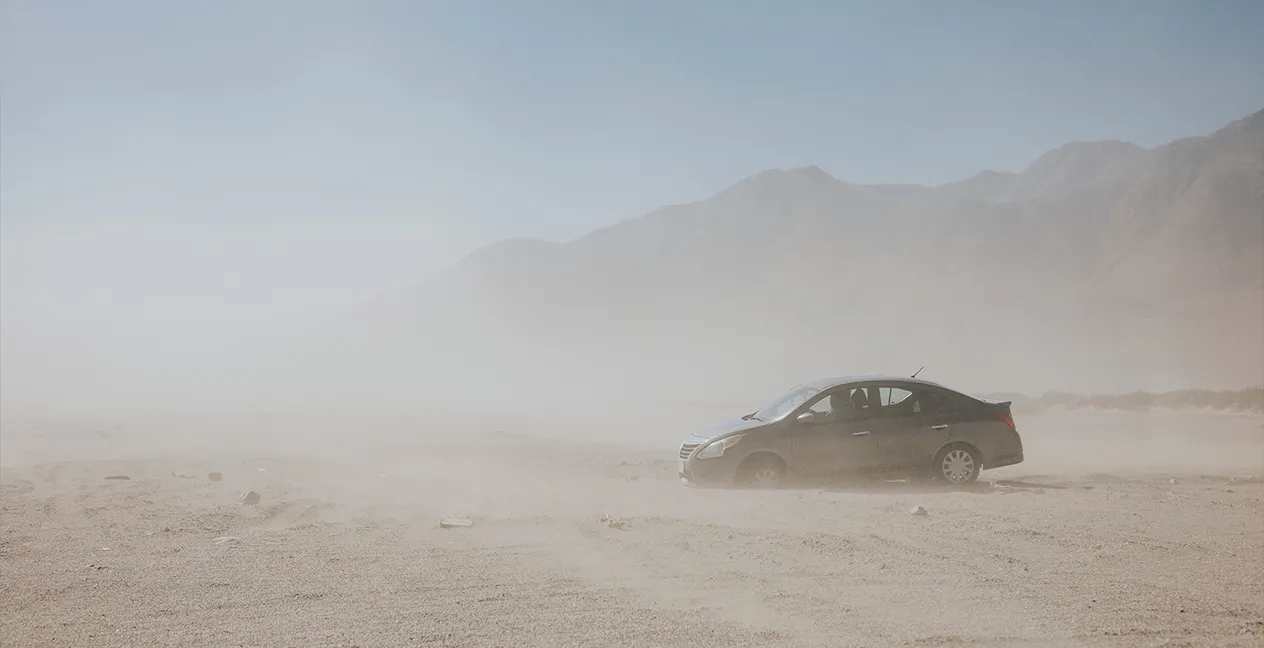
829 383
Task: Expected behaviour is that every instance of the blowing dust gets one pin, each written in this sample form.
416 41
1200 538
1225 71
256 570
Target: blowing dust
1064 546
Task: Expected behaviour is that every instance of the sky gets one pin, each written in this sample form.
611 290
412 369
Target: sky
226 161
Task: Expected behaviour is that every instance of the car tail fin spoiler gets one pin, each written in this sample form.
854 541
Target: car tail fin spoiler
1001 410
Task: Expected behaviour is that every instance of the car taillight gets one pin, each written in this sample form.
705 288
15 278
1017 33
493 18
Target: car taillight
1007 418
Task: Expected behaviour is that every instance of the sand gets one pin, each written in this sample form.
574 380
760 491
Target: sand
1120 530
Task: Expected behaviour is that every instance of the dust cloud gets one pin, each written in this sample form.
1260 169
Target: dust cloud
289 262
547 411
345 539
540 391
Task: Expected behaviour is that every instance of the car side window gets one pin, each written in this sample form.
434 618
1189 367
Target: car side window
841 405
893 396
854 404
821 409
898 401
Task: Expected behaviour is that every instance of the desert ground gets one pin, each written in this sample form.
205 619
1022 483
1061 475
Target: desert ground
1121 529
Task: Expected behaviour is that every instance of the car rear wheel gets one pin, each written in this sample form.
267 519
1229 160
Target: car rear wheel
761 471
957 464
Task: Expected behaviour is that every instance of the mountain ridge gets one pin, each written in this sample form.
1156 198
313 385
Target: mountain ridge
813 173
1100 267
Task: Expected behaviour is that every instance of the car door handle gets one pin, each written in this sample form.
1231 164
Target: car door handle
861 433
939 427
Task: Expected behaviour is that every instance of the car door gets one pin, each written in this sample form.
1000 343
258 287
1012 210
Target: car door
832 440
912 424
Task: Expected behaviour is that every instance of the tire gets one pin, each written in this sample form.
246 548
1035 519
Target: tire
957 464
761 471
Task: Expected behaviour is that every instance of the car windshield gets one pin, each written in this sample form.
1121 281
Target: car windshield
785 404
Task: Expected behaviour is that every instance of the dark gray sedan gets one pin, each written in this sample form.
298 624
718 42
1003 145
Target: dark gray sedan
857 425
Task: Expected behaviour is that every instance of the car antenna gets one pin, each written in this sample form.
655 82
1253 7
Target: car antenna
918 371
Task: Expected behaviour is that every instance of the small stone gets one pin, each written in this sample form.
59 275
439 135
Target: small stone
614 522
226 540
251 498
215 476
1229 490
919 511
1172 481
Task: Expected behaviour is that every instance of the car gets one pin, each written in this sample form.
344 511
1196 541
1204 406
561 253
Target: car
856 425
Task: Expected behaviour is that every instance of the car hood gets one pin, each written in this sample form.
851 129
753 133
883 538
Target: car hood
723 428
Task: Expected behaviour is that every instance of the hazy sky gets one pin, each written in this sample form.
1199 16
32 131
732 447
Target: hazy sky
232 158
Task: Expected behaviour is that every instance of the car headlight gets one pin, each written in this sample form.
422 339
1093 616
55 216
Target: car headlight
717 448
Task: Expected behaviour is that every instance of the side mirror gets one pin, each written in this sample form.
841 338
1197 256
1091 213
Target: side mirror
805 417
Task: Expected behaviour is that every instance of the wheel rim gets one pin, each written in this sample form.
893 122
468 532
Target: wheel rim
958 465
766 476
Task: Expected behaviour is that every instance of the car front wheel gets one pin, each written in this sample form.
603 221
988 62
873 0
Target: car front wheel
758 471
957 464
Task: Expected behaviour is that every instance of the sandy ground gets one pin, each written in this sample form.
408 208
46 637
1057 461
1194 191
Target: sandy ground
1089 543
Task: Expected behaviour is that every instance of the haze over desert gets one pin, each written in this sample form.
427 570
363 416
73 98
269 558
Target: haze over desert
405 324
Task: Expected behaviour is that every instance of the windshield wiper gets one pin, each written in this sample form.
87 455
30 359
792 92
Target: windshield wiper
750 417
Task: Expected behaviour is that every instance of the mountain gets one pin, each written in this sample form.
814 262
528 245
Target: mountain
1101 266
1069 168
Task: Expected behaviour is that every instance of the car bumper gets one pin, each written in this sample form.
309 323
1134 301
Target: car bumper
1007 460
706 472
